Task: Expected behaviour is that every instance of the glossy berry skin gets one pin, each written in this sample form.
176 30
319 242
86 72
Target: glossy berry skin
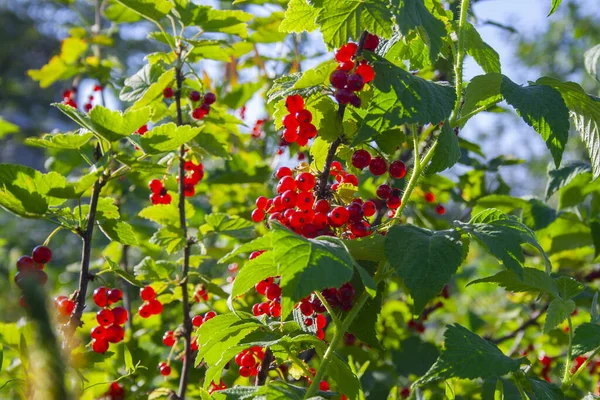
194 96
168 93
101 296
98 332
346 52
283 171
371 42
429 197
147 293
355 82
322 206
64 305
394 202
397 169
261 202
100 346
145 310
42 255
338 79
248 360
355 212
359 229
339 216
197 320
290 135
366 71
350 179
210 98
343 96
291 122
105 317
156 306
384 192
440 209
169 339
115 333
305 181
155 185
321 321
27 263
377 166
369 208
294 103
361 159
286 183
324 386
120 315
273 291
304 117
165 370
114 295
258 215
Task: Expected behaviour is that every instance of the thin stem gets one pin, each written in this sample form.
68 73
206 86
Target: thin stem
187 322
414 178
460 59
261 378
124 263
51 235
84 274
325 303
567 384
569 352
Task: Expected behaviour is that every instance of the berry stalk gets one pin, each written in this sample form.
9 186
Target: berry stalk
187 322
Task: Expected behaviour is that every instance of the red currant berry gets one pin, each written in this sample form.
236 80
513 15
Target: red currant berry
440 209
346 52
366 71
320 221
155 186
100 346
261 203
290 135
189 190
321 334
27 263
168 93
339 216
98 332
258 215
41 255
245 372
248 360
384 192
369 208
198 320
377 166
429 197
355 82
308 130
321 321
304 117
198 113
394 202
101 296
115 333
360 229
322 206
286 183
155 306
165 370
209 315
210 98
169 339
145 310
306 309
324 386
114 295
305 181
361 159
120 315
405 392
294 103
147 293
305 201
350 179
194 96
283 171
336 168
355 212
343 96
273 291
290 122
397 169
105 317
371 42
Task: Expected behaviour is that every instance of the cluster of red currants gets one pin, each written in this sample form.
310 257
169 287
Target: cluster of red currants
110 321
151 306
88 106
198 320
33 268
115 392
351 74
546 366
69 97
249 361
298 123
296 208
159 192
310 309
201 294
204 108
342 297
257 129
193 175
65 307
272 291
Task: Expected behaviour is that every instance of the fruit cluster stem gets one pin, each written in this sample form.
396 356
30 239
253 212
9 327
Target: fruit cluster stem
188 361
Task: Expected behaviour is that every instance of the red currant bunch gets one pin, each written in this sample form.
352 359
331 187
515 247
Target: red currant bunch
159 192
257 129
310 310
201 294
198 320
249 361
297 124
69 97
272 291
203 110
342 297
65 307
31 267
151 306
110 320
115 392
193 175
351 74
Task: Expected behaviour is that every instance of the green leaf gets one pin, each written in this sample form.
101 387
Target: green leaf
595 230
364 326
537 215
114 267
561 177
71 141
483 54
555 4
228 225
343 20
343 376
210 19
424 259
504 203
167 137
558 311
585 111
468 356
62 66
447 152
150 270
120 14
119 231
533 280
129 367
167 214
299 17
7 127
153 10
413 15
401 98
169 238
148 83
592 60
415 356
502 237
568 287
544 109
106 209
482 92
76 189
545 390
254 271
586 339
